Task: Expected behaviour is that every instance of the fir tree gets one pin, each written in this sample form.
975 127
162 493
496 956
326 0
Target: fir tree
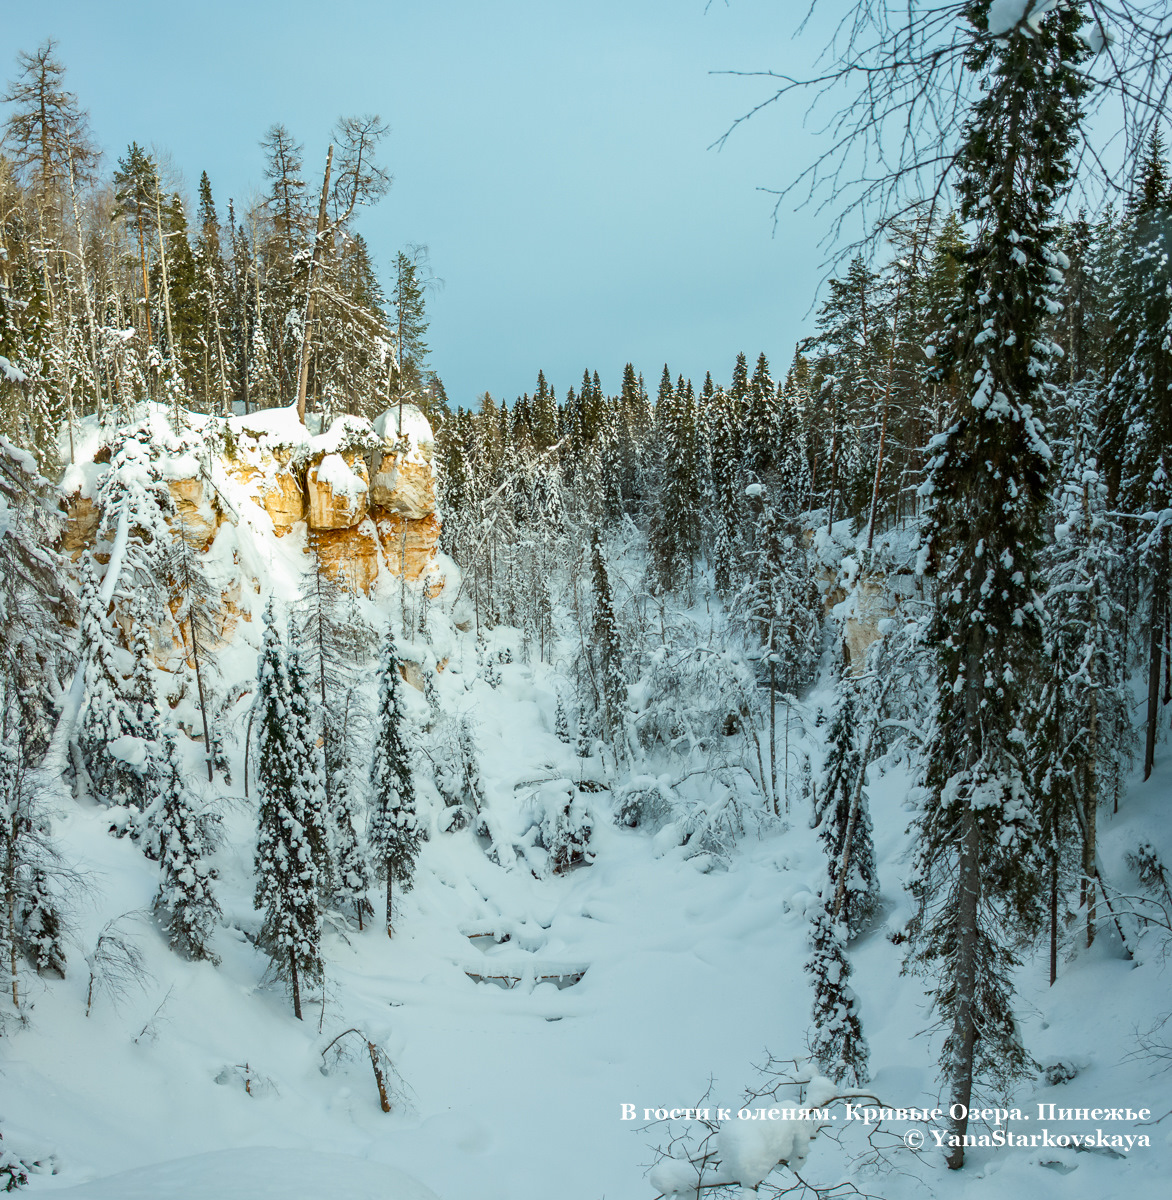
309 771
1083 737
107 714
288 882
395 834
762 422
185 903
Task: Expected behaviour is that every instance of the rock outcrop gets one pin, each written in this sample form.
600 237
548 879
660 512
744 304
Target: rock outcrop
363 494
337 492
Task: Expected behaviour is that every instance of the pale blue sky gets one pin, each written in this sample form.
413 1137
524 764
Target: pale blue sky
552 155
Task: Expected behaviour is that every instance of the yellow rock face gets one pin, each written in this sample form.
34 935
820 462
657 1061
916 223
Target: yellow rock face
82 518
350 555
194 513
332 509
405 487
409 545
872 605
277 489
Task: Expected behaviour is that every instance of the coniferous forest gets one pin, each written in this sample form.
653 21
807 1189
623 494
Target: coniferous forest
761 779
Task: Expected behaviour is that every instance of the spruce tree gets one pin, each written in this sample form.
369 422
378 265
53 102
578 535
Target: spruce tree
352 864
561 724
976 876
607 652
844 817
762 422
41 926
394 834
185 902
107 713
836 1042
309 770
288 882
1084 737
676 531
1141 392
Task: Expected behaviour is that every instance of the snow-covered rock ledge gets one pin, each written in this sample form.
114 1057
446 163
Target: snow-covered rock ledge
361 494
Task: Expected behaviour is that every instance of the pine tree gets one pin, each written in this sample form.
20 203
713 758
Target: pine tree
394 834
837 1042
185 902
288 882
976 876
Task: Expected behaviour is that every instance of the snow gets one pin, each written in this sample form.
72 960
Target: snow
11 373
129 750
1005 15
334 472
82 478
415 428
232 1174
179 466
750 1149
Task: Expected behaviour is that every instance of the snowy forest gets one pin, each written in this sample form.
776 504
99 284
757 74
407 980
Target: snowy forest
401 795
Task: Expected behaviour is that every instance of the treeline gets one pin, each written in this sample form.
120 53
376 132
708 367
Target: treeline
112 291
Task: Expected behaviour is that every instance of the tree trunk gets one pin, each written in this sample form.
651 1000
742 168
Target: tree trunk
390 905
773 720
964 1030
203 708
306 335
10 901
146 291
1159 586
1053 906
296 983
1090 816
383 1098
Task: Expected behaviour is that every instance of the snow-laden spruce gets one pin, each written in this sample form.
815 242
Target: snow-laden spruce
394 828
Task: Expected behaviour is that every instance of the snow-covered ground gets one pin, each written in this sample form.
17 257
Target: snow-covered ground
522 1012
515 1092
